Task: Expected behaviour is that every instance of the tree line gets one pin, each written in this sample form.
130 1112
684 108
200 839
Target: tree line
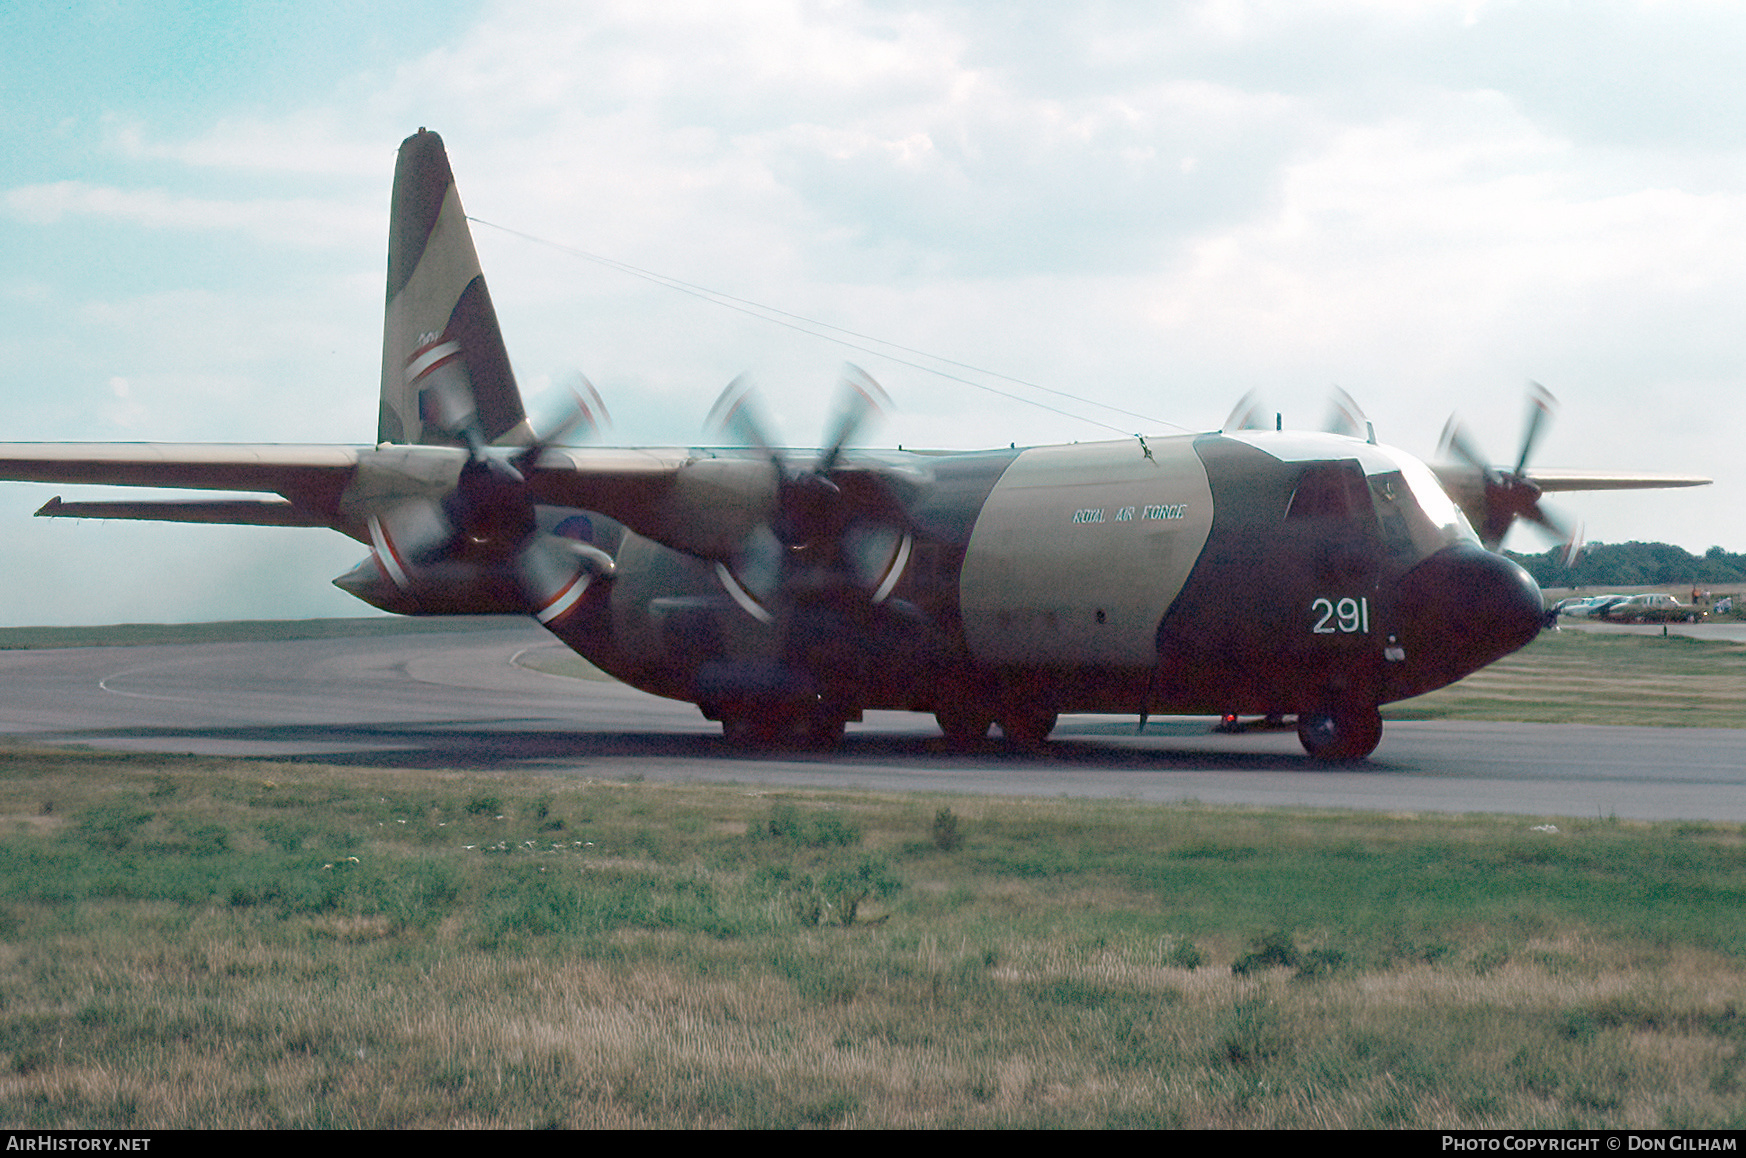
1634 565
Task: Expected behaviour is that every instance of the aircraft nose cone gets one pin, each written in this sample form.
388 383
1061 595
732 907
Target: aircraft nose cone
1459 610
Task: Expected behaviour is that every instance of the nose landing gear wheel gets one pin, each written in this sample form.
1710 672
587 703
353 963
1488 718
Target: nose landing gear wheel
1344 734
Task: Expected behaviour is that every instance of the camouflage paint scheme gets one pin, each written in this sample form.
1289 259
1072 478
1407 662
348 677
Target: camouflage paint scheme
1314 575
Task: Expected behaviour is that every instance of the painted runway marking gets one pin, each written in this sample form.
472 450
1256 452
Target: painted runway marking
104 684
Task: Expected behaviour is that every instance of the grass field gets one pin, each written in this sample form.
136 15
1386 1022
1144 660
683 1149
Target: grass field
243 631
1582 677
210 943
226 943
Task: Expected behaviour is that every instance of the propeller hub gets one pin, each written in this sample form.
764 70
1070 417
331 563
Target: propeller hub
1506 496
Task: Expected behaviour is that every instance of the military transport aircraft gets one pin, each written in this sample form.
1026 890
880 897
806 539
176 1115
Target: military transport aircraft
1317 575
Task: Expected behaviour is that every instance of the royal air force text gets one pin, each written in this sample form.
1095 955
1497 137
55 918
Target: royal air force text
1151 513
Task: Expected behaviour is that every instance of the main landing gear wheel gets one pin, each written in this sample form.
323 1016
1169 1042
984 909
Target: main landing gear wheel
777 727
964 726
1027 729
747 731
1346 734
823 733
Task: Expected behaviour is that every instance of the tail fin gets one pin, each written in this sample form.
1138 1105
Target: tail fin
444 366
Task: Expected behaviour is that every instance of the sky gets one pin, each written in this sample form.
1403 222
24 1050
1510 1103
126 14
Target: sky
1158 207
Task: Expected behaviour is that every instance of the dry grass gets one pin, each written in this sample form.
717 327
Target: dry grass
246 631
1069 965
1580 677
471 1041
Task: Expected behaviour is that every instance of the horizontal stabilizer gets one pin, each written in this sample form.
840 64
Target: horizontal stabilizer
278 468
240 512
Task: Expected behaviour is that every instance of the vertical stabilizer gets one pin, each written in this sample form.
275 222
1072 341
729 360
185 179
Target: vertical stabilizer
444 366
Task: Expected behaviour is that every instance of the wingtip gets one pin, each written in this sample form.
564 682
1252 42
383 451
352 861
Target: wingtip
49 509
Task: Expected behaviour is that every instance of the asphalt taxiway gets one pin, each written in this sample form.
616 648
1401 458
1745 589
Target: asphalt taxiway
467 700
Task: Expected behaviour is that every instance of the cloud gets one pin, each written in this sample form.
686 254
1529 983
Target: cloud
1156 206
299 222
318 142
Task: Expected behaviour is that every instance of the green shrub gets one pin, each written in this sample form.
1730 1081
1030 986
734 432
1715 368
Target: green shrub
1185 955
1320 963
814 830
1251 1035
1272 950
198 839
112 826
829 830
947 838
847 888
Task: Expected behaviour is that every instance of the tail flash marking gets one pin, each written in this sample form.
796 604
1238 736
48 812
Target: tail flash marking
429 357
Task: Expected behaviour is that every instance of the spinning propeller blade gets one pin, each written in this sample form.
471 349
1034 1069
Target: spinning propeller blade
486 531
818 538
1505 496
1345 416
1245 415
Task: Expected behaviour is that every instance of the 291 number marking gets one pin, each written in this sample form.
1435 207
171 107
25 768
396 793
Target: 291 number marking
1347 615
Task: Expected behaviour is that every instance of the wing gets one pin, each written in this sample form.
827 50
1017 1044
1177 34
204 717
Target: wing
276 468
1493 499
1600 480
1467 477
308 480
701 502
260 512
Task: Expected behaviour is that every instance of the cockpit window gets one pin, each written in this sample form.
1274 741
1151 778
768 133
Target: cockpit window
1439 508
1394 511
1411 498
1331 490
1404 490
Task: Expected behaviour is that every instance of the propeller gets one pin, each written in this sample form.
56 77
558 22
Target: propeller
1498 498
572 405
1247 414
1346 417
831 532
487 532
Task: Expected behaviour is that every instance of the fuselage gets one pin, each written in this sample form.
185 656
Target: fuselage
1254 572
